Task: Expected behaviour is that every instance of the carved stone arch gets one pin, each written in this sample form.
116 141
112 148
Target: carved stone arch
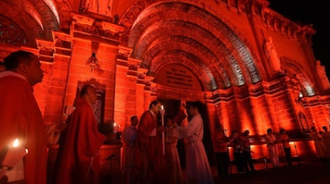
292 67
204 75
38 19
31 27
180 33
11 34
209 58
64 9
179 53
132 15
49 16
178 29
186 50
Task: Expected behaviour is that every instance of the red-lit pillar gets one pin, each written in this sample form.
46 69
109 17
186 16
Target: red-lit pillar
293 90
258 107
281 109
121 86
211 111
244 109
226 96
149 95
60 52
131 96
140 86
317 111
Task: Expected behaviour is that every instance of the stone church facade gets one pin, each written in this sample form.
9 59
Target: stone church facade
251 67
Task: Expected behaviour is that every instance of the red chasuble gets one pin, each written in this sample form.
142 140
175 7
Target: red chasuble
21 118
151 148
77 159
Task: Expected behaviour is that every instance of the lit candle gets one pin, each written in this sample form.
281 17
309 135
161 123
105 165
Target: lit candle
14 154
115 127
162 111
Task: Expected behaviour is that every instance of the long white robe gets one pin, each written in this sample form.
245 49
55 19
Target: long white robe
197 165
272 149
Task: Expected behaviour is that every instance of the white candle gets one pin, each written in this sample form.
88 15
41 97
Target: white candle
163 135
14 154
115 127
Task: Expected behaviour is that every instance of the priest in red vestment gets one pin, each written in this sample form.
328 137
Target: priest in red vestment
150 156
20 117
77 159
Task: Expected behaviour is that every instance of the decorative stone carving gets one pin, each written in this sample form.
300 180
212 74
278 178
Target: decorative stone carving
103 7
11 34
124 53
271 55
322 75
94 30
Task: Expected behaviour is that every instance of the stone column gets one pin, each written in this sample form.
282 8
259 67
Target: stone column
58 53
281 109
140 85
121 90
132 77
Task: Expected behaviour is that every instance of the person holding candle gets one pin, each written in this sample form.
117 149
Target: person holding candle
77 159
20 116
150 158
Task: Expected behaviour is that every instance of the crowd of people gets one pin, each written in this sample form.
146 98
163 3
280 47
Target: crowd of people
150 154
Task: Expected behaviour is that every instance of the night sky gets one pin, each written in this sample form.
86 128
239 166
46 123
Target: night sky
308 12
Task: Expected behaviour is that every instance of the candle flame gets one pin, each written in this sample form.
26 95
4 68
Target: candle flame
162 107
114 124
16 143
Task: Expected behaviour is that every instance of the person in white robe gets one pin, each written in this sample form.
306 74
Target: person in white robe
172 158
272 147
197 165
318 142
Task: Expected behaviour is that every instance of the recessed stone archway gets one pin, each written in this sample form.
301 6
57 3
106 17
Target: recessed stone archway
37 19
200 57
199 69
294 69
140 20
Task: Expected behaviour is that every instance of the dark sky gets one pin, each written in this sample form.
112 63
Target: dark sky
307 12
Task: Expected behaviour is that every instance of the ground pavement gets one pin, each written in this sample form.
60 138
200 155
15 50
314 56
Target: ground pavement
316 172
